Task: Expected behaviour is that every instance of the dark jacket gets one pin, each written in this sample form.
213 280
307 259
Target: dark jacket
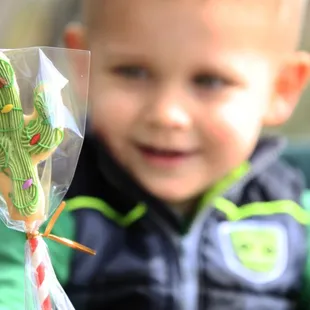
244 249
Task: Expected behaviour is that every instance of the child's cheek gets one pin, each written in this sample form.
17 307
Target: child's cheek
232 132
112 106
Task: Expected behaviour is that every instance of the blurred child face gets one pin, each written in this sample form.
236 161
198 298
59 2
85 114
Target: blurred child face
181 89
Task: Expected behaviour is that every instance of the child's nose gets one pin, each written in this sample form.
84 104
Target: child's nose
170 111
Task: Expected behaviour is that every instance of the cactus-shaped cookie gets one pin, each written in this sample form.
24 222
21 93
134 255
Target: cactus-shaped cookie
24 142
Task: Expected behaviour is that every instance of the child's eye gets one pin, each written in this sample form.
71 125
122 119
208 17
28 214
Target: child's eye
132 72
210 82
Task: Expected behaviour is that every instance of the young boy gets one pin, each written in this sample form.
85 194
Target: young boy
186 206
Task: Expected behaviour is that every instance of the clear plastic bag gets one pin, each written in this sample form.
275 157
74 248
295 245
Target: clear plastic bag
43 102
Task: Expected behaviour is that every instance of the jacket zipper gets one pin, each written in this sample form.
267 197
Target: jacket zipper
173 241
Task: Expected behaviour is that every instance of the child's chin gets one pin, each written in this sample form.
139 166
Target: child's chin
173 195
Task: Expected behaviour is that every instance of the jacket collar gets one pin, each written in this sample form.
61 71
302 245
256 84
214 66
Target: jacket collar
120 190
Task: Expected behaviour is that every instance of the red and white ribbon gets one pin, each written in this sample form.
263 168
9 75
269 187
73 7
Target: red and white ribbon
38 262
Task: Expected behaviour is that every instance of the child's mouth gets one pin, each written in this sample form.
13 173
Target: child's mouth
166 158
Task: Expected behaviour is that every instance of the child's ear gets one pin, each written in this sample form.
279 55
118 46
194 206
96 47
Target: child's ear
288 88
79 61
74 36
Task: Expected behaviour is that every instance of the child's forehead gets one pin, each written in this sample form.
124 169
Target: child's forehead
243 19
270 8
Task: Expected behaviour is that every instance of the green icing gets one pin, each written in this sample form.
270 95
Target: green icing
17 146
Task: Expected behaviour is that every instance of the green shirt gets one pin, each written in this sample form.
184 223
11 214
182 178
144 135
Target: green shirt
12 253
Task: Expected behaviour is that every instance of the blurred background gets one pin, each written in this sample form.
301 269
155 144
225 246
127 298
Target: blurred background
41 22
